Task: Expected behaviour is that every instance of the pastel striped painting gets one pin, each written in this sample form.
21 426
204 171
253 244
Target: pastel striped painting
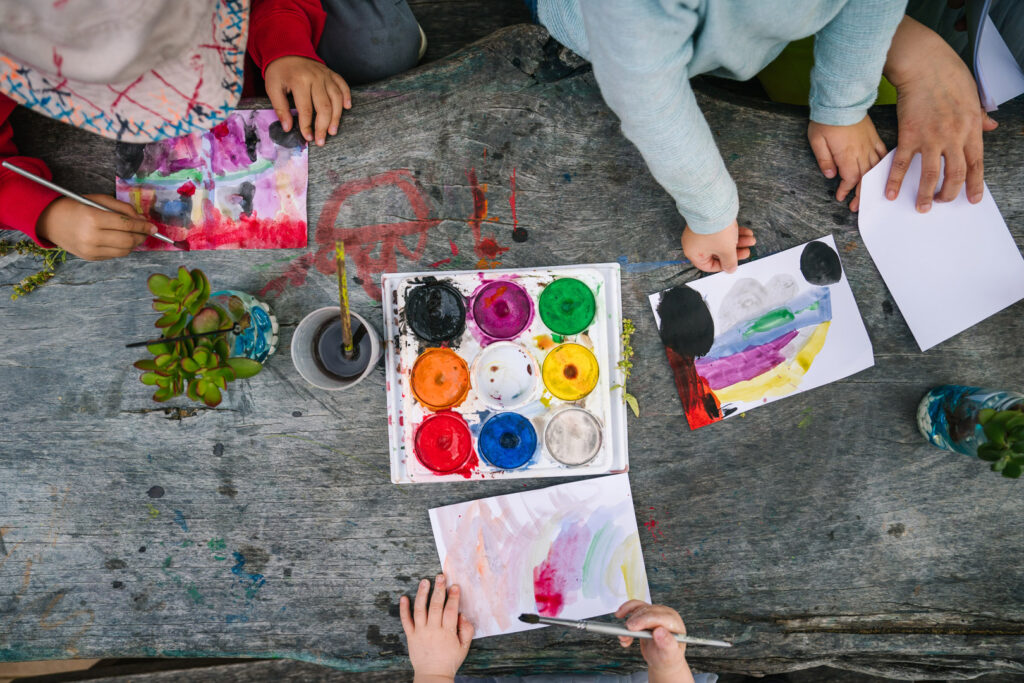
570 551
779 325
240 185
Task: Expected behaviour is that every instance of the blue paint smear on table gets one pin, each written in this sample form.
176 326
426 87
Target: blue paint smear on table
646 266
179 519
252 582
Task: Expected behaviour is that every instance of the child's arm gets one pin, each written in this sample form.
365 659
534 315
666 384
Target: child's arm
665 656
641 55
52 220
849 53
282 42
438 636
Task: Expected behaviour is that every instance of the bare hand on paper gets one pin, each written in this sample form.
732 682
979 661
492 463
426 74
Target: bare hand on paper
853 150
315 89
720 250
940 116
92 234
665 656
438 636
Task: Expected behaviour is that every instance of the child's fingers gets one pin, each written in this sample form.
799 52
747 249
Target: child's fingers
855 202
436 602
931 169
450 618
658 615
746 238
304 104
819 145
900 164
121 240
405 615
337 106
419 611
954 175
742 254
850 171
630 606
728 260
346 94
324 112
974 156
625 641
466 631
279 101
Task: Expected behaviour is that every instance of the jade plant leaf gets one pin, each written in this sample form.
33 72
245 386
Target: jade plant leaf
244 367
160 285
145 364
169 318
162 394
185 278
166 306
191 391
989 452
157 349
236 308
149 378
201 357
221 347
177 328
1012 470
192 301
984 415
189 365
212 396
205 321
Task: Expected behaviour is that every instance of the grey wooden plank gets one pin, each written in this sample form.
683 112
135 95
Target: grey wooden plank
847 542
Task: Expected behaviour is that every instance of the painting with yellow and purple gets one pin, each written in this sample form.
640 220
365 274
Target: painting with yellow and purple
779 325
240 185
570 551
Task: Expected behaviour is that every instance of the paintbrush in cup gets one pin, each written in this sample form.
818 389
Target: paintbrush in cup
346 320
613 630
180 244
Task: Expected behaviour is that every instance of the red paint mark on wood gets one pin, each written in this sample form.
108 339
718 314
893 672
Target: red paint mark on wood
487 248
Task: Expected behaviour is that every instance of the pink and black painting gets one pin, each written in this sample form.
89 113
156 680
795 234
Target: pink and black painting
240 185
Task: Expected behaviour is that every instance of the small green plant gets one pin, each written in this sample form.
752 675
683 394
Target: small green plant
195 359
51 257
1004 445
626 365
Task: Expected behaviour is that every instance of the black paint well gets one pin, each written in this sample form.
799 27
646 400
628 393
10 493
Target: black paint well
328 353
686 324
436 312
820 264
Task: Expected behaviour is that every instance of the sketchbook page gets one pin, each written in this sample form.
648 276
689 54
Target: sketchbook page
999 76
779 325
947 269
570 551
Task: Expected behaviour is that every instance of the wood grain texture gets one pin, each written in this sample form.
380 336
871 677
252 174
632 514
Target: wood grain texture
819 530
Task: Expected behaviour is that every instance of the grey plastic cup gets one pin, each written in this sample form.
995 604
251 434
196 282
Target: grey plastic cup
302 350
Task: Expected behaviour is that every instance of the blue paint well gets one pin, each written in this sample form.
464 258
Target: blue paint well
179 519
507 440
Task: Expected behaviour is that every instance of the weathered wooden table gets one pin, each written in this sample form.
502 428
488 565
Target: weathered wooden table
819 530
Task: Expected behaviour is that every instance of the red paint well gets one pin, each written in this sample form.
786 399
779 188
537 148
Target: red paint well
443 443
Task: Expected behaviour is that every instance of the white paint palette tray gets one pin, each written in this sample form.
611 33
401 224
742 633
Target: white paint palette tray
498 374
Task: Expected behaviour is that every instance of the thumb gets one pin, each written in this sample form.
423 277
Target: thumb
664 639
466 631
728 259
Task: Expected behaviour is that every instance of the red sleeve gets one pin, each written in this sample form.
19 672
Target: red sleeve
283 28
21 200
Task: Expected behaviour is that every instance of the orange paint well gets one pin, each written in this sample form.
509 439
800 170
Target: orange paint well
440 379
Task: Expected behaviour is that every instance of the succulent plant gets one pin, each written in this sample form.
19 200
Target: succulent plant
1004 445
196 358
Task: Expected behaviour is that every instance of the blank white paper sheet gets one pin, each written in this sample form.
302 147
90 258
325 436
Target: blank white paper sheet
947 269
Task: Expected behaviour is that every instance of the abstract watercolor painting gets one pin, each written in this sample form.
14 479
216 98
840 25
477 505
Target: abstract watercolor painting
240 185
569 551
780 325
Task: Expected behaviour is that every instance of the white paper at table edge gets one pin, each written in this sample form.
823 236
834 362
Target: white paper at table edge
1000 78
873 201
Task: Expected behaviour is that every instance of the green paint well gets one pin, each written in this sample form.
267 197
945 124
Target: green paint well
567 306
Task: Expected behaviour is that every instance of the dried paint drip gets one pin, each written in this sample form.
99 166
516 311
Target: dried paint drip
570 372
507 440
573 436
505 376
440 379
329 355
443 442
502 309
436 312
567 306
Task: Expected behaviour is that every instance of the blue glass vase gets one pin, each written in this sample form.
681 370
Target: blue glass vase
948 415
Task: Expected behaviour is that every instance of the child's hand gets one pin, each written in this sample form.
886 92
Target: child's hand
313 86
853 149
665 656
720 250
438 636
92 234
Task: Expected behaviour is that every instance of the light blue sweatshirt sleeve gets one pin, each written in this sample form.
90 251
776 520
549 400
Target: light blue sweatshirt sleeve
849 53
640 53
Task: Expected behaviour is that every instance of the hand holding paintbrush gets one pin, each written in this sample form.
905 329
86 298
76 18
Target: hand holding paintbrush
95 228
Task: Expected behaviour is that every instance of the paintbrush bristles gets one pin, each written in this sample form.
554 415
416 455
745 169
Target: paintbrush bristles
346 319
529 618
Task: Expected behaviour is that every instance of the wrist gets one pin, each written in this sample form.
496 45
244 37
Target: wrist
671 673
432 678
910 51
